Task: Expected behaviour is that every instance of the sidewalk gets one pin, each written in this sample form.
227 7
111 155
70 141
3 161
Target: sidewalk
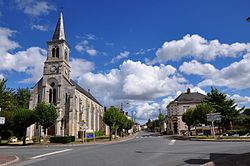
231 159
8 159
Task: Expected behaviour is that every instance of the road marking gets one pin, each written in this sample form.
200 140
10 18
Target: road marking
48 154
172 142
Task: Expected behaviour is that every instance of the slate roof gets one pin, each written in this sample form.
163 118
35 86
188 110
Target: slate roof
78 87
59 31
192 97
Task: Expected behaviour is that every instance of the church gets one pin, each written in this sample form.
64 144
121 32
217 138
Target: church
73 103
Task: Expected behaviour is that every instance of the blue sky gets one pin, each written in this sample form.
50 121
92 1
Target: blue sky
143 52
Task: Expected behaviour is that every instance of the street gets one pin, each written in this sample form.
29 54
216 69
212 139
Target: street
146 149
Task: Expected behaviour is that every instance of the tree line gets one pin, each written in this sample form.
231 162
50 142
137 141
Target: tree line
117 121
14 106
216 102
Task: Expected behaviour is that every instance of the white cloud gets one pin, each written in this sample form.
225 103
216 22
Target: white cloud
6 44
240 99
199 48
235 76
197 68
134 81
1 76
120 56
29 61
79 67
34 7
40 27
83 47
144 51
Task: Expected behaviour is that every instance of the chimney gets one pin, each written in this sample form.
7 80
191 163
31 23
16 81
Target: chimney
188 90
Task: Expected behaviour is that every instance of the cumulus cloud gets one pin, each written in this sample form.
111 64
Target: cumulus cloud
240 99
34 8
120 56
6 44
40 27
84 47
197 68
29 61
1 76
235 76
79 67
134 81
199 48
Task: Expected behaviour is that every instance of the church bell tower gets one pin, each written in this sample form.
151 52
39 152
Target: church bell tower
57 62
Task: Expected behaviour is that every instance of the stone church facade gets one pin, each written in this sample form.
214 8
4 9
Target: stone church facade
72 102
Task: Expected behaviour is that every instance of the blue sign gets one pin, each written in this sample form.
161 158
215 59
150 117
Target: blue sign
90 135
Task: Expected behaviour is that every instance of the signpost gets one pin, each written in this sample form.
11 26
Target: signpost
213 117
84 127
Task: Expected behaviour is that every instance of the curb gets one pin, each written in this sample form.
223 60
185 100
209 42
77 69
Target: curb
78 144
11 162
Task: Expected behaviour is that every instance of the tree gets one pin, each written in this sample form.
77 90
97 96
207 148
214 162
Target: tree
111 118
6 96
247 111
220 103
46 115
187 117
6 105
23 118
22 97
200 113
161 117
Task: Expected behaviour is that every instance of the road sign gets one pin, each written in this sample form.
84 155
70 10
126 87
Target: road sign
2 120
82 123
214 117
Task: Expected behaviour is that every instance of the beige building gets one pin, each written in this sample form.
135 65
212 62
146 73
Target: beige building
176 108
72 102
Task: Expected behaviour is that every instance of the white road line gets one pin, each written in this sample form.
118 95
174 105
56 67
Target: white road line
48 154
172 142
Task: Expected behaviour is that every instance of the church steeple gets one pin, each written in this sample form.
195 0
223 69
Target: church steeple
57 62
59 31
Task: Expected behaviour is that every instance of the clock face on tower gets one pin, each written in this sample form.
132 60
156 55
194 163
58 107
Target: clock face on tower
53 69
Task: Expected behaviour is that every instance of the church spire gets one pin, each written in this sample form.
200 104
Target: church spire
59 31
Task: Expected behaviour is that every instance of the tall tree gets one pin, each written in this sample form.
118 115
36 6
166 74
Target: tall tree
6 106
46 115
22 97
23 118
187 117
6 96
223 105
200 113
111 118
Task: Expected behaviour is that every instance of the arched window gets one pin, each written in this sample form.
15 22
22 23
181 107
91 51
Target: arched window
57 52
52 93
53 52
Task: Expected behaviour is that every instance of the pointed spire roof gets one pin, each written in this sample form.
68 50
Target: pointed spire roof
59 31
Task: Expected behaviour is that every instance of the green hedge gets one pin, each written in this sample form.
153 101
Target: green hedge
62 139
240 132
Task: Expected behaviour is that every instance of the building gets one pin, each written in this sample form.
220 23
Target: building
176 108
72 102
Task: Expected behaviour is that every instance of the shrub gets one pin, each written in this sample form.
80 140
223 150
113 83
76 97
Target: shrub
60 139
35 138
240 132
72 138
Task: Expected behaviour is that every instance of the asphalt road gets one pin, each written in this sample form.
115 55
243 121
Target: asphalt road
146 149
